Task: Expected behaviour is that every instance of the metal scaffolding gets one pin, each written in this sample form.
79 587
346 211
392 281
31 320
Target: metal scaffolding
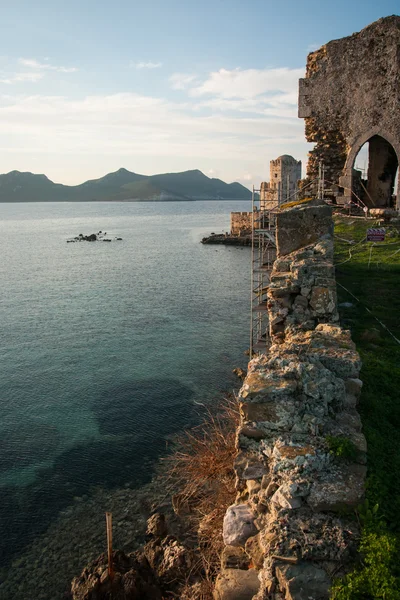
263 254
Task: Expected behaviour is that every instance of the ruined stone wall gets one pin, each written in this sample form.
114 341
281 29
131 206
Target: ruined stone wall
240 222
350 94
286 535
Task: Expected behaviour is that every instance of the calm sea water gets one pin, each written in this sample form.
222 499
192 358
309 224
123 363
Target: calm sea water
107 348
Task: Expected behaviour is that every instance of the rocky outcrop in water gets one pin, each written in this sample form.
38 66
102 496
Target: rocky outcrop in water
227 240
93 237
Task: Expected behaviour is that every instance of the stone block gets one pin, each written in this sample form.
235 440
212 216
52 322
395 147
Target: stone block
271 489
285 498
252 432
359 441
342 362
349 419
303 581
282 265
302 225
323 300
292 452
345 488
236 584
252 411
349 402
238 525
300 301
280 276
266 480
353 386
249 466
234 557
253 486
255 551
282 291
256 384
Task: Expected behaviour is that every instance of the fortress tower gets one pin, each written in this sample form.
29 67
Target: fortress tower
285 172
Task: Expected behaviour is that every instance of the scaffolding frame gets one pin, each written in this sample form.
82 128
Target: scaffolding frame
263 254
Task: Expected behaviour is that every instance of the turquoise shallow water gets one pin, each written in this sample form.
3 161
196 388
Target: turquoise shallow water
107 349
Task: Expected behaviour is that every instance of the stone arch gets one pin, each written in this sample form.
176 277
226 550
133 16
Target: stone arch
346 181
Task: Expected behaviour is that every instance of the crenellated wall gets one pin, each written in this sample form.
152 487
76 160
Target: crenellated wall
286 535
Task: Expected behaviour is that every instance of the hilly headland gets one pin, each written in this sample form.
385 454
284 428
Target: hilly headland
122 185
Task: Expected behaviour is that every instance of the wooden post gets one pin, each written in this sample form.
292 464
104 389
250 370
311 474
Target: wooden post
109 545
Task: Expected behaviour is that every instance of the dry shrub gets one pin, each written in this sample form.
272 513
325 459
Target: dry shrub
201 477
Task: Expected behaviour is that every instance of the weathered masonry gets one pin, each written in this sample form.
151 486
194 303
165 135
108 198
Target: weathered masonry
289 533
350 96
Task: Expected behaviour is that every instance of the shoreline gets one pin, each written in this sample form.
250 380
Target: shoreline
76 537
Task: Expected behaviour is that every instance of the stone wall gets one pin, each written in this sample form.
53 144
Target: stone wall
286 535
240 223
348 97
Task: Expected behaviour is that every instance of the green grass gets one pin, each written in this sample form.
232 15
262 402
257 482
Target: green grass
341 447
374 278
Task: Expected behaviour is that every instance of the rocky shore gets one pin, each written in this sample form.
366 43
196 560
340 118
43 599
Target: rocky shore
45 569
227 239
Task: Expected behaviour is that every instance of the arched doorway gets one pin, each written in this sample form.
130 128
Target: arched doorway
374 171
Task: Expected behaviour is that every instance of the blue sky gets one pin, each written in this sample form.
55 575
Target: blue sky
88 87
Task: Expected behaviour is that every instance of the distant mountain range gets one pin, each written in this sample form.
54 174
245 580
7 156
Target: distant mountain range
121 185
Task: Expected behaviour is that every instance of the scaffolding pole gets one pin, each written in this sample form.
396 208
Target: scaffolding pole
263 254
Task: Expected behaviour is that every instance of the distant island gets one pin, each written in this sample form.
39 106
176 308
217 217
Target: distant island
122 185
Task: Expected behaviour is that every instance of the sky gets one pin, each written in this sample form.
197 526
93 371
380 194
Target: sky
156 86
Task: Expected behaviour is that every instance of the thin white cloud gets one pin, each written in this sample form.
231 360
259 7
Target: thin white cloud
40 66
22 77
268 92
131 123
36 72
181 81
146 65
249 83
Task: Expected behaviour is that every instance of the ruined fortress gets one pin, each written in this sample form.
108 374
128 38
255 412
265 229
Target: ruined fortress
350 97
287 535
285 173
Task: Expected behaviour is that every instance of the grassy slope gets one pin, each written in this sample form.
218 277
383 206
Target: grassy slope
377 286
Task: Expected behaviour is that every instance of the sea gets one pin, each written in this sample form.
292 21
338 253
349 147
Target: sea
107 351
